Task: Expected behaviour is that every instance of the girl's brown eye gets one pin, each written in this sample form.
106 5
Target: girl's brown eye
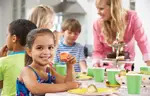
51 47
40 48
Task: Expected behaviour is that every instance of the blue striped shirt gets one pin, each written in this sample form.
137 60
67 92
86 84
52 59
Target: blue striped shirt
76 50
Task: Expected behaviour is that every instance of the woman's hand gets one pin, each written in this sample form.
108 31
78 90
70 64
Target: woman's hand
3 51
96 65
148 63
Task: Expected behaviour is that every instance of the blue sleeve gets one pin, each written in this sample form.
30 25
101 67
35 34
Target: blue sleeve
82 56
56 57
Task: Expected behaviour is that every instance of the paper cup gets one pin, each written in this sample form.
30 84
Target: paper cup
61 69
111 76
134 83
90 72
98 74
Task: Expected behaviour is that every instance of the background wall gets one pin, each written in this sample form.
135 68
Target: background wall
5 18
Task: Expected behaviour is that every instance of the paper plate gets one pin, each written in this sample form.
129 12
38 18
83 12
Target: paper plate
112 85
82 76
101 91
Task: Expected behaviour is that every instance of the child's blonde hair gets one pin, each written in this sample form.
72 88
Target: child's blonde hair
71 25
117 21
42 15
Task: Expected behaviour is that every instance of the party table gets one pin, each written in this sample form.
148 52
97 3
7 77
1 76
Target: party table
122 91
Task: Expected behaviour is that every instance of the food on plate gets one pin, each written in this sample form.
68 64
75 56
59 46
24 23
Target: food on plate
82 76
64 56
122 73
92 89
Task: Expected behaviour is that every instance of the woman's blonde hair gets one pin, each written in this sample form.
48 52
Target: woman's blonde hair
41 15
116 24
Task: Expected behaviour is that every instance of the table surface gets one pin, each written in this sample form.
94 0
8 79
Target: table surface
122 91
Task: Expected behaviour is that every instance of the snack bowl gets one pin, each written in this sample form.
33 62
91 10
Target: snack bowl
145 79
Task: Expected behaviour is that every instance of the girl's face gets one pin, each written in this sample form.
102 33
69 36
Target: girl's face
42 49
70 37
103 9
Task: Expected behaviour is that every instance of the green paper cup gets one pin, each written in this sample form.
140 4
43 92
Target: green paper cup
61 69
134 83
98 74
111 76
145 70
90 72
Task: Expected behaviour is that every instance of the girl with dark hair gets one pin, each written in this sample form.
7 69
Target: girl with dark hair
39 53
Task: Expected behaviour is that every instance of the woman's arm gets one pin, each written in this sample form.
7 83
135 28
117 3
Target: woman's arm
98 46
141 39
30 80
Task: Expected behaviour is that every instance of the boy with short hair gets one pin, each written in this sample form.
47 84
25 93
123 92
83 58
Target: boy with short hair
12 64
71 29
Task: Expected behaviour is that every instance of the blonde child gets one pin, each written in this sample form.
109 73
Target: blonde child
39 52
43 16
71 29
12 64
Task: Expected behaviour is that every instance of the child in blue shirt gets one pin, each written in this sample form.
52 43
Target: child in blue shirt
71 29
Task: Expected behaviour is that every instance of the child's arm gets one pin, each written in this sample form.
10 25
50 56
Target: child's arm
1 84
70 70
83 65
69 77
3 51
30 80
59 78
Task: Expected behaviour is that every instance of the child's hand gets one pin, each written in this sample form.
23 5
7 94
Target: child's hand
72 85
68 58
3 51
71 59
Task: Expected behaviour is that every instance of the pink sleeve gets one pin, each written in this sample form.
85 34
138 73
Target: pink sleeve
141 38
98 46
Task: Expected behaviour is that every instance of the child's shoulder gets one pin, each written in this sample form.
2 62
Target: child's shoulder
27 70
11 58
79 45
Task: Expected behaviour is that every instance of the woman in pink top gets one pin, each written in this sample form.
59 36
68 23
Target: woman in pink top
116 19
